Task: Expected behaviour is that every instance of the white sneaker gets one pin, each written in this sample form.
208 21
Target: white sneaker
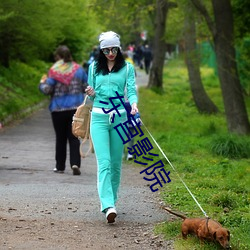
111 214
129 157
58 171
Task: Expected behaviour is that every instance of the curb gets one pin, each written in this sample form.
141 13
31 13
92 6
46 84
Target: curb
22 114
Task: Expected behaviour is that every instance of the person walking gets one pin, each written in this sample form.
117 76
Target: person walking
109 75
65 83
147 54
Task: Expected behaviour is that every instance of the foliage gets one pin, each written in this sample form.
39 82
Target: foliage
241 17
128 18
175 25
243 60
19 88
27 33
231 146
242 37
220 184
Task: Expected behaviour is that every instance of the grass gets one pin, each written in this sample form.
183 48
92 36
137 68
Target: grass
214 164
19 88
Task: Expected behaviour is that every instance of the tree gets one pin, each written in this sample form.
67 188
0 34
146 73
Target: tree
201 99
223 38
159 44
28 33
127 17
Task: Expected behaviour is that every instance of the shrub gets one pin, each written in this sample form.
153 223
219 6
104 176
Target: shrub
231 146
223 200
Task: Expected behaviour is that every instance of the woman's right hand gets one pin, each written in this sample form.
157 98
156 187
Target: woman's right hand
43 79
90 91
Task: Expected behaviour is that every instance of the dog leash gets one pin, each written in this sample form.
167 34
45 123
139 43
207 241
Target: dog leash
175 171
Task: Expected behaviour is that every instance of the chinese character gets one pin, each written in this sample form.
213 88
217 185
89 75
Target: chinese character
148 172
158 180
141 147
125 128
115 107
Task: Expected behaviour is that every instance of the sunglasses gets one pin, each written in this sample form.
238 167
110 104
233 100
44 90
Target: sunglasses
106 51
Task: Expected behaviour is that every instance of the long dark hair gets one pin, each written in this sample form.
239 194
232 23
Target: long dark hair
102 67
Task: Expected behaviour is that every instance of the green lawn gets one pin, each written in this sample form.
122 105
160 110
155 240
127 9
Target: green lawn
214 164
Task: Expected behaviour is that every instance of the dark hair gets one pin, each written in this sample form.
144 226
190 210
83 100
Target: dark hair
64 53
102 67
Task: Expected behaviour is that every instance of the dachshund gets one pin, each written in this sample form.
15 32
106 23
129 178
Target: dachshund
204 229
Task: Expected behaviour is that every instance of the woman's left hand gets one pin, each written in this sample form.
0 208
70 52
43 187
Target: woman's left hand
134 109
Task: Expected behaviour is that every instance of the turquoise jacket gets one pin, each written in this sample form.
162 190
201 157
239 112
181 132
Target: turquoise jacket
105 86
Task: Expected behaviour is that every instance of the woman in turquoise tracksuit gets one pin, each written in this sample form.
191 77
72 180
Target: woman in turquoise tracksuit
109 75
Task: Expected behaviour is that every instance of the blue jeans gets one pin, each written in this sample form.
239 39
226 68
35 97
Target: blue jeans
108 148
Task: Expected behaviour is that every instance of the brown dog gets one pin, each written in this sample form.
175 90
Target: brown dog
204 228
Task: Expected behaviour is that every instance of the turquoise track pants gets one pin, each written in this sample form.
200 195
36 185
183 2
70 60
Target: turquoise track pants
108 148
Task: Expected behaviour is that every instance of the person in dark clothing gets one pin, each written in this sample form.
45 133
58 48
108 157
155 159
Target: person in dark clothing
138 55
93 55
65 83
147 54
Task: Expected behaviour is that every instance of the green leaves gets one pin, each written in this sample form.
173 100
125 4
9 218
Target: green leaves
30 32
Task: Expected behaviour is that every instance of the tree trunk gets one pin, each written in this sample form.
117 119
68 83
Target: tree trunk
159 46
235 109
223 38
201 99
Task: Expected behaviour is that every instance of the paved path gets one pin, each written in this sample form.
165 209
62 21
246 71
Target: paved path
141 78
30 192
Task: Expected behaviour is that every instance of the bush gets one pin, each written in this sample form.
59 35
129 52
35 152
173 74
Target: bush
19 88
223 200
231 146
